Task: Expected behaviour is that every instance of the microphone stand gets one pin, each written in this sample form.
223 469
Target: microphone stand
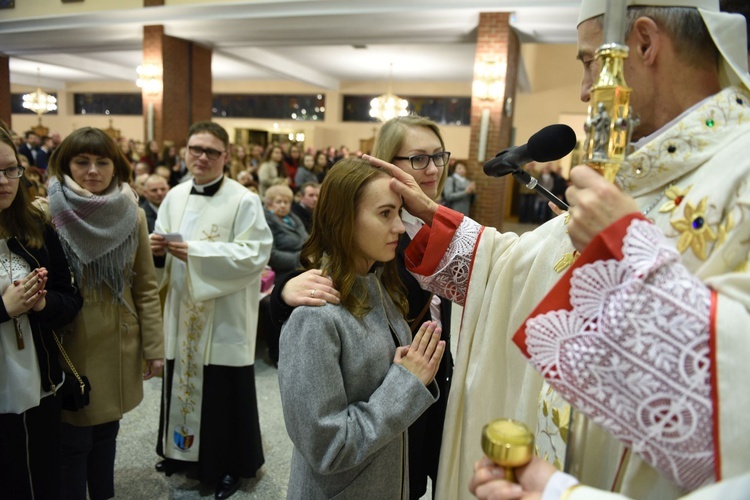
530 182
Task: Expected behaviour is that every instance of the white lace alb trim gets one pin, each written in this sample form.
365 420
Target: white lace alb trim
451 277
633 354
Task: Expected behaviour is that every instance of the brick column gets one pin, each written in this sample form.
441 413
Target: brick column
496 42
5 114
186 95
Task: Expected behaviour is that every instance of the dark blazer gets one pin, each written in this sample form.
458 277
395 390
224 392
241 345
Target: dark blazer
63 301
25 150
304 214
287 242
150 214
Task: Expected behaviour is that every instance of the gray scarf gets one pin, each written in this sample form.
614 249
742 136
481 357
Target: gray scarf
99 234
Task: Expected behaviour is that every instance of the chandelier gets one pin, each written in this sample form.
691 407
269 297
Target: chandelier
388 106
39 101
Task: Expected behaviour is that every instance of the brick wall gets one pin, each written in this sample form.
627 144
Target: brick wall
5 114
496 41
186 76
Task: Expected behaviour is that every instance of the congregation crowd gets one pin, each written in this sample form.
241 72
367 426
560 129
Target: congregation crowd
123 261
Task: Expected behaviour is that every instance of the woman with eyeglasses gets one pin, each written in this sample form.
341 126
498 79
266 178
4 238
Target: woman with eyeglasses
353 377
37 298
105 237
415 145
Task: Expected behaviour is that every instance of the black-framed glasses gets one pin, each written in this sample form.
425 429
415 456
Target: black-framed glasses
13 172
420 162
211 153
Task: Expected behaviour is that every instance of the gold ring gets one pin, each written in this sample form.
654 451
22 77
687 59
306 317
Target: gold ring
312 293
26 287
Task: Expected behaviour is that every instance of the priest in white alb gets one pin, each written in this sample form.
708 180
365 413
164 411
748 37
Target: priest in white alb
217 243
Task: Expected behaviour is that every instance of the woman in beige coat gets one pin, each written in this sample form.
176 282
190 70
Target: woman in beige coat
105 238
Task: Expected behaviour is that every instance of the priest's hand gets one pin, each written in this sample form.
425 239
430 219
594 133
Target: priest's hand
416 202
488 481
423 356
594 205
154 368
311 288
158 244
179 249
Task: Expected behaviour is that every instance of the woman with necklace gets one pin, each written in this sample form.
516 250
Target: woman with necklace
37 298
105 238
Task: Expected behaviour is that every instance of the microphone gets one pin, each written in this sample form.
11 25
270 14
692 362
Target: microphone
551 143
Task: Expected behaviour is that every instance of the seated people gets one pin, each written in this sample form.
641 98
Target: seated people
308 198
289 233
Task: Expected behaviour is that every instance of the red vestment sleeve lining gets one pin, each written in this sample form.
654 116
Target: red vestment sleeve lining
430 244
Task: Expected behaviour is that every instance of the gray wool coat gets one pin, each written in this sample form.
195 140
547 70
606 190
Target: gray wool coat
346 405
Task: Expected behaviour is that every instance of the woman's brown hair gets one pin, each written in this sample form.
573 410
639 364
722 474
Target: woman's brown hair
332 239
21 219
93 141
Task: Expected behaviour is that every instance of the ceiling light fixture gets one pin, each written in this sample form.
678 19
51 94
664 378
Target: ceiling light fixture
388 106
149 78
39 101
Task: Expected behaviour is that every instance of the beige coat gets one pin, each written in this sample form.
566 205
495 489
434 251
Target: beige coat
108 343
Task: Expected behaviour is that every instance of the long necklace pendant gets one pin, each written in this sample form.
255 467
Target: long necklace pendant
19 334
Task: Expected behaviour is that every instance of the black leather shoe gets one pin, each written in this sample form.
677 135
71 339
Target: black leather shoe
227 486
161 466
168 467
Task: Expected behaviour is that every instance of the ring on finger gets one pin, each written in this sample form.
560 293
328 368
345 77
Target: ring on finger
312 293
26 287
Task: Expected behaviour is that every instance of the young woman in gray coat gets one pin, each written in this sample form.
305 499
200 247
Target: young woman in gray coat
350 385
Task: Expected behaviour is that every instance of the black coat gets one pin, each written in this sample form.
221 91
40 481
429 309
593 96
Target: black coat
63 301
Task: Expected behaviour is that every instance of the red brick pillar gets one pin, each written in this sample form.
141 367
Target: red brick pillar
185 96
496 42
5 114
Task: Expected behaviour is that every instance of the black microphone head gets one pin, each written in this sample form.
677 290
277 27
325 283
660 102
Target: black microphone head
551 143
499 166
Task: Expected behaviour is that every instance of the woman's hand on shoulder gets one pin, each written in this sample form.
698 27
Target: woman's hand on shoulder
311 288
423 356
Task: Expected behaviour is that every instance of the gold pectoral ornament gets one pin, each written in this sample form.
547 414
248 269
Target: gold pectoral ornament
610 120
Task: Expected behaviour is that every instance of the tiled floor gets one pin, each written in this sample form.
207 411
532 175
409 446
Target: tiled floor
135 477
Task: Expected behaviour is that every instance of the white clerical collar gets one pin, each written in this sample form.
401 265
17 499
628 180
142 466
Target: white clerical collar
202 188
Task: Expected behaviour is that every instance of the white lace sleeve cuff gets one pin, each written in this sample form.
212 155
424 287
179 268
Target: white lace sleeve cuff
451 277
633 354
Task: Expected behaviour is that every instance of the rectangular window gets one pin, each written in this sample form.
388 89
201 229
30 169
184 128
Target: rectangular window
274 106
108 104
16 104
441 110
